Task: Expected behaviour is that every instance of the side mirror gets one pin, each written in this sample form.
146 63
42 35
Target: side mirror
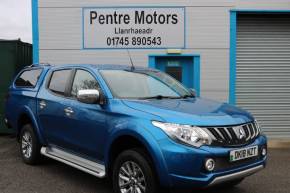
192 91
88 96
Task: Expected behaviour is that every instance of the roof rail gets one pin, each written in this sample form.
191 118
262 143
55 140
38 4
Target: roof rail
36 65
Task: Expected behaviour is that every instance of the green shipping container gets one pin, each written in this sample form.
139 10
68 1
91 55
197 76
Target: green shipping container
14 55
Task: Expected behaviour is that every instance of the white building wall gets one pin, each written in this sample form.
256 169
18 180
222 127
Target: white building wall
207 29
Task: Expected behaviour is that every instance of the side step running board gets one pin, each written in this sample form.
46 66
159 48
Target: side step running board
85 165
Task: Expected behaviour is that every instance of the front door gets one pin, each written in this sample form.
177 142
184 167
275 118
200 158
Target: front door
86 125
179 67
67 123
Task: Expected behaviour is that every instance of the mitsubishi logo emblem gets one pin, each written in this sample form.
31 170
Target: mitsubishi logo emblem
242 133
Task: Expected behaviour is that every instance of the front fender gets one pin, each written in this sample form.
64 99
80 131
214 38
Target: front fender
27 111
150 143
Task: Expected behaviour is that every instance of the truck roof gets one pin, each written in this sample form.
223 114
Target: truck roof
95 66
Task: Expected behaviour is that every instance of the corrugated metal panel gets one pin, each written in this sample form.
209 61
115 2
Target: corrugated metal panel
262 5
263 70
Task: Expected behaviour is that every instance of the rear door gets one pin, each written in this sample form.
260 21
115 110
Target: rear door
51 105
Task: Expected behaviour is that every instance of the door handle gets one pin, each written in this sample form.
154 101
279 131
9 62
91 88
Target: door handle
68 111
42 104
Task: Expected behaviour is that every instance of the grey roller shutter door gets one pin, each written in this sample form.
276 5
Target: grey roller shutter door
263 70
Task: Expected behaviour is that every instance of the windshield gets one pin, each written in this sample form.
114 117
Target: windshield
143 84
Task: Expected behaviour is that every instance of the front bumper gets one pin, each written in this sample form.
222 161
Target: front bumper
237 175
185 164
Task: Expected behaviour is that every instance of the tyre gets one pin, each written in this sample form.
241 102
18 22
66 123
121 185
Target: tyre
133 172
29 145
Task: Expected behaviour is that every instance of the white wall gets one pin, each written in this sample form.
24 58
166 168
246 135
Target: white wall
60 36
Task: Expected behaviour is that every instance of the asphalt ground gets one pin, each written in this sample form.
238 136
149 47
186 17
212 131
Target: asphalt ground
54 177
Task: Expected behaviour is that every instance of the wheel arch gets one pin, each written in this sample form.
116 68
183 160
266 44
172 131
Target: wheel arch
145 140
26 116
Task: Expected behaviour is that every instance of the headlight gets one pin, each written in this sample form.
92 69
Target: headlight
187 134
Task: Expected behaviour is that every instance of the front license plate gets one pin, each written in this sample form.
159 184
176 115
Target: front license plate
244 153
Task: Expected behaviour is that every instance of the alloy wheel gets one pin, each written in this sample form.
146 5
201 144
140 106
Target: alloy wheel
26 145
131 178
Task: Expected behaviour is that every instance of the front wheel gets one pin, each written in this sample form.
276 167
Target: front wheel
133 173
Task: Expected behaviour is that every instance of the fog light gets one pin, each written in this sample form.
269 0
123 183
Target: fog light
264 151
209 164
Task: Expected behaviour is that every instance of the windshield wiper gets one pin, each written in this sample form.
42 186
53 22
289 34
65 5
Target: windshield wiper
188 96
159 97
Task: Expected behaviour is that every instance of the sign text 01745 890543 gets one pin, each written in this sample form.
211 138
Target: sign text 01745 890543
133 27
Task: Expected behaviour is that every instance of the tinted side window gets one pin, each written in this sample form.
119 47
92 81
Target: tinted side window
58 81
28 78
83 80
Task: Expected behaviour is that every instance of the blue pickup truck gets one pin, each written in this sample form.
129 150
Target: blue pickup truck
137 126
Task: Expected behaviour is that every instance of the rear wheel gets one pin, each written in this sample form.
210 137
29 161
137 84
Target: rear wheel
132 173
29 145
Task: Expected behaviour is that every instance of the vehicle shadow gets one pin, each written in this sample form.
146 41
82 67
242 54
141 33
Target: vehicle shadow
93 184
60 178
82 181
216 189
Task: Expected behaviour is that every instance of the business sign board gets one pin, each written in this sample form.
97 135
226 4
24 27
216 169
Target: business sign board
129 27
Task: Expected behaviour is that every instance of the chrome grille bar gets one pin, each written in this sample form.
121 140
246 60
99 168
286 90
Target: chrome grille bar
207 130
219 133
254 128
249 133
228 133
258 128
236 132
232 135
253 134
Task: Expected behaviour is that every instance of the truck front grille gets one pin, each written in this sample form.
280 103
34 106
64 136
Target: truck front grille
234 135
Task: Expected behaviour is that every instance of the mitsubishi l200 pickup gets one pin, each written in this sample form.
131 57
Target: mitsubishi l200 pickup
138 126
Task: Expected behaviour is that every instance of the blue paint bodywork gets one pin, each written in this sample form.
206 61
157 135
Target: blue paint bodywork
92 129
